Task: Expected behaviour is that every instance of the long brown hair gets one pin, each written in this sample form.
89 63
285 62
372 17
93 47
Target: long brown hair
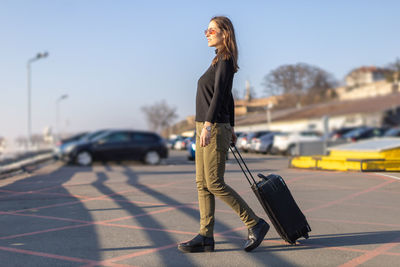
230 48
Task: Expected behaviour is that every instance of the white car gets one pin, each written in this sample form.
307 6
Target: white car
286 142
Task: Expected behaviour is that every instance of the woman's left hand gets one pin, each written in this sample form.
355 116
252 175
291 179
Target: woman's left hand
234 136
205 137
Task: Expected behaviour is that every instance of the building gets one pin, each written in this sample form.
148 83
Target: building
377 111
365 75
244 106
379 88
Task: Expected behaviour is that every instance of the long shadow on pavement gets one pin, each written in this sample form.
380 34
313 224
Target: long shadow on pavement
156 237
134 182
25 231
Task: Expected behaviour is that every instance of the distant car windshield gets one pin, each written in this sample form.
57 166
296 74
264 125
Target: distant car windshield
309 133
97 136
393 132
268 136
355 132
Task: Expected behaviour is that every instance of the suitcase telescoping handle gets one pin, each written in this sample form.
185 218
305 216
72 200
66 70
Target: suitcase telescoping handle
232 148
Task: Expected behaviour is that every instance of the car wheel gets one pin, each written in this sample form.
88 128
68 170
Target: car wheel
291 150
152 158
84 158
268 150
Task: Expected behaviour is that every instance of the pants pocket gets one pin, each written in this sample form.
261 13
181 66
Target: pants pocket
224 136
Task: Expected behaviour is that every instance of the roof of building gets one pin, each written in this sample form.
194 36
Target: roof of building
368 69
334 108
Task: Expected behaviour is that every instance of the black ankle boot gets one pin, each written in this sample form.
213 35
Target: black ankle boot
256 235
198 244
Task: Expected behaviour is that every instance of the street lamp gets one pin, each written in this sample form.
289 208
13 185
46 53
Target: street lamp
28 65
65 96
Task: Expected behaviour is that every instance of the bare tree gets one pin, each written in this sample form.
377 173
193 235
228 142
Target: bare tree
299 80
160 115
393 71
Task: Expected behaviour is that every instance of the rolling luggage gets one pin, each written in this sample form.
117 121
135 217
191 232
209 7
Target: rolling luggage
278 203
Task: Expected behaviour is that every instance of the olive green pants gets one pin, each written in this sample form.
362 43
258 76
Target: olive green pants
210 169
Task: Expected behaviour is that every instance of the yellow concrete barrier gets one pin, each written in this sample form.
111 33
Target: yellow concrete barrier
369 155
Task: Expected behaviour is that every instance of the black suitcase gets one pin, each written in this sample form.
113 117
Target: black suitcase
278 203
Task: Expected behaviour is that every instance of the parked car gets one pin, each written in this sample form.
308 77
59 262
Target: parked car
241 141
68 146
364 132
191 148
171 142
119 145
255 138
392 132
285 142
264 143
63 143
238 134
244 141
338 133
180 143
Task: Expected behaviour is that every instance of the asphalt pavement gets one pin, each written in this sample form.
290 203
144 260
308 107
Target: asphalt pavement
129 214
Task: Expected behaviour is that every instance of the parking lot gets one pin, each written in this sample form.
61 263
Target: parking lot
129 214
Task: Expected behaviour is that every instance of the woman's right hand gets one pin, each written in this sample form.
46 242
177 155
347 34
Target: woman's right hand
205 137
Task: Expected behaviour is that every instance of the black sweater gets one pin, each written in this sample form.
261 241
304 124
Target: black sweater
214 101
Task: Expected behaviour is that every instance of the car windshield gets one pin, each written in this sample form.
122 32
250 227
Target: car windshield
309 134
392 132
268 136
98 135
355 132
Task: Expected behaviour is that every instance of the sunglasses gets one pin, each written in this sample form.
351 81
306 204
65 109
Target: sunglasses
210 31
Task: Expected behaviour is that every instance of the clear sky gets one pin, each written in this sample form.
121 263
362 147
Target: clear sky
113 57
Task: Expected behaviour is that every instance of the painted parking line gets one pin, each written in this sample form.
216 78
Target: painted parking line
387 175
353 222
372 254
60 257
78 201
223 234
82 222
351 196
45 231
172 245
140 253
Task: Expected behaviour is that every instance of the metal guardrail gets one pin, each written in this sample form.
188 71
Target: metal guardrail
21 162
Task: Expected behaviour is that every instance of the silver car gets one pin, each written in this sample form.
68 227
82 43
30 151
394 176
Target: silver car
264 143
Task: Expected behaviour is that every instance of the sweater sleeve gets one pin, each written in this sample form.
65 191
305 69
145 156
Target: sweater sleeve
223 75
231 111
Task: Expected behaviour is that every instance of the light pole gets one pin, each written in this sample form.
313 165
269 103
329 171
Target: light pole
28 65
65 96
269 107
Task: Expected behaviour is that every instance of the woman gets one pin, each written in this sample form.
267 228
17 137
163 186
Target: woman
214 133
